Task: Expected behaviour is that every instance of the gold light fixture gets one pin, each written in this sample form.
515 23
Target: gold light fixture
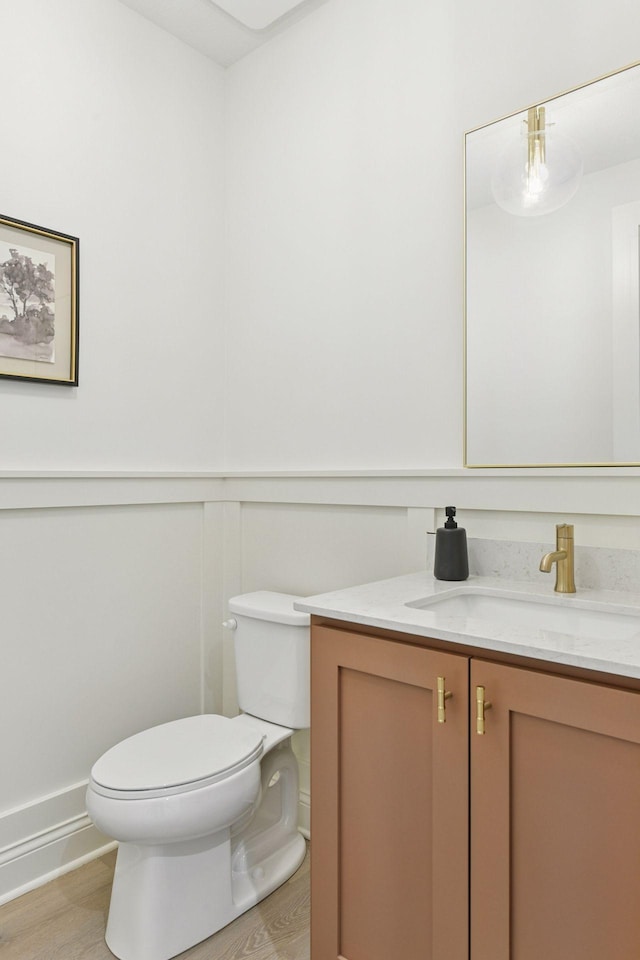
538 174
536 168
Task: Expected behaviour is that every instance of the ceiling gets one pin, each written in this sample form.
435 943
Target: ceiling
257 15
226 30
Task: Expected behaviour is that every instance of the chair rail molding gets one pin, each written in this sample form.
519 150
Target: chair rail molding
611 491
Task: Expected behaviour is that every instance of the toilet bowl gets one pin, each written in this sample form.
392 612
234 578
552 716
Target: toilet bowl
205 808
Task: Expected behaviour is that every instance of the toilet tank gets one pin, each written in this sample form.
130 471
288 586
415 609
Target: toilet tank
272 657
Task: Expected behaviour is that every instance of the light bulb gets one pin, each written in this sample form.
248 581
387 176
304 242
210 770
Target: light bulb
539 173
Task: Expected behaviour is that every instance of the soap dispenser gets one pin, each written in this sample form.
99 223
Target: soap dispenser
451 559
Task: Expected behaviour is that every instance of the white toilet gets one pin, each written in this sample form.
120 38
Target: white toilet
205 808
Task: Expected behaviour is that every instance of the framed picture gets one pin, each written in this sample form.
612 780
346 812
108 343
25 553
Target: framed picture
38 303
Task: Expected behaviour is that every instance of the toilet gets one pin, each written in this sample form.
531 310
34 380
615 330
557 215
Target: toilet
205 808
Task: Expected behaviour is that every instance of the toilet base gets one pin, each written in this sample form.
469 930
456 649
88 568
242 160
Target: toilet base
251 888
166 898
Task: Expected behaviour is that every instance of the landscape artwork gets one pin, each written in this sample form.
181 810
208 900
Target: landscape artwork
27 303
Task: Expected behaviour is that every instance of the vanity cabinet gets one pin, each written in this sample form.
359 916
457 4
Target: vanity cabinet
389 800
431 841
555 815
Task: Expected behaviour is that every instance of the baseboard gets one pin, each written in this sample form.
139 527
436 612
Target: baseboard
41 840
304 814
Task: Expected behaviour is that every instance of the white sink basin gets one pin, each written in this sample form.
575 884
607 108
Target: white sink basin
583 618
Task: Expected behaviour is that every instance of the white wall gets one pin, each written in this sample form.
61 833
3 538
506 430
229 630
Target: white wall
344 331
307 548
94 648
112 132
103 635
345 192
508 55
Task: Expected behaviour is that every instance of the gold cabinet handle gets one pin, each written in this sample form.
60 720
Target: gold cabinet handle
481 706
443 695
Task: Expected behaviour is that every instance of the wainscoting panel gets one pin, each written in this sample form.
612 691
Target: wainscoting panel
115 586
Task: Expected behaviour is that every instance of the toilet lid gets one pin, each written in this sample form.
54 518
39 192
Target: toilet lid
179 755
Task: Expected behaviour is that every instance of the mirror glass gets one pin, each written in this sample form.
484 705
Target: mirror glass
552 311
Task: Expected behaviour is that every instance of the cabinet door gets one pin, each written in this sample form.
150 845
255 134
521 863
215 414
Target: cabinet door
555 819
389 787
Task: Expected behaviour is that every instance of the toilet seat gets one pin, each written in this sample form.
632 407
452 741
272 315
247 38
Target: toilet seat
176 757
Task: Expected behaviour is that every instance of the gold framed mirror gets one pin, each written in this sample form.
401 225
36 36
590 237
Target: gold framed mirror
552 281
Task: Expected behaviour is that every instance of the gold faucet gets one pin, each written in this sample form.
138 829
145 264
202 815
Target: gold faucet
562 556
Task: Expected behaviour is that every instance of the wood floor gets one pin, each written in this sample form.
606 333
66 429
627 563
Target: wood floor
65 920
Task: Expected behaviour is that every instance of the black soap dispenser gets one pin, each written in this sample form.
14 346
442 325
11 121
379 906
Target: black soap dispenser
451 559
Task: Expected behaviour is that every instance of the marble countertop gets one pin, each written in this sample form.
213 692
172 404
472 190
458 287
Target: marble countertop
384 604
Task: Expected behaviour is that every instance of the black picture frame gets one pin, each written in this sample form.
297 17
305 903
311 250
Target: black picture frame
39 301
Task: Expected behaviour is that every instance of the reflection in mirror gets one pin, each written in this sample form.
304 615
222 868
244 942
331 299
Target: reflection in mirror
552 310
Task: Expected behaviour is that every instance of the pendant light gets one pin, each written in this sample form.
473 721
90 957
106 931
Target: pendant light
538 173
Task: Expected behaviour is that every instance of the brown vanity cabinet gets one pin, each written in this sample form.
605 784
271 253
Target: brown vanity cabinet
389 800
555 819
433 842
